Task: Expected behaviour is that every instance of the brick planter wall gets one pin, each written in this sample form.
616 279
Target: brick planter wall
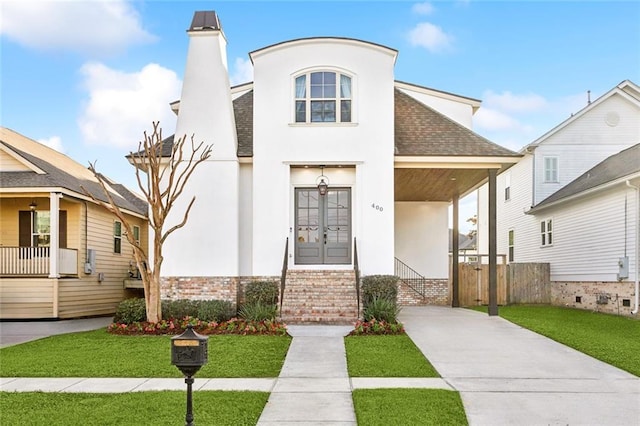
564 293
437 293
206 288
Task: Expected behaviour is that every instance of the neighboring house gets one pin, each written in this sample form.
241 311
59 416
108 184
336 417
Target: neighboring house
322 165
567 203
61 254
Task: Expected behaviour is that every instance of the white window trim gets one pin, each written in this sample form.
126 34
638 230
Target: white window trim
507 186
546 232
117 237
511 245
544 169
338 71
134 233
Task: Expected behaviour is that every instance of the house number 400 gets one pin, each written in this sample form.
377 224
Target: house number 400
377 207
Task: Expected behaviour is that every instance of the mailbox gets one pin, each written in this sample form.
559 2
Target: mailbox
189 351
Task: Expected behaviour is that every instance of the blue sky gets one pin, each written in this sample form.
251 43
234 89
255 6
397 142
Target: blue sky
88 77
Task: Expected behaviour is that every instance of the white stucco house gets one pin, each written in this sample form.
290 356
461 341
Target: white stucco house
572 202
324 165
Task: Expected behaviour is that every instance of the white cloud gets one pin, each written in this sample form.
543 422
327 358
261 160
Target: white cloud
508 101
242 72
122 105
493 119
425 8
431 37
97 27
54 142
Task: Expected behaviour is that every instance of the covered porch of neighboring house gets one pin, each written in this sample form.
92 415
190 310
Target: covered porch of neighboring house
441 182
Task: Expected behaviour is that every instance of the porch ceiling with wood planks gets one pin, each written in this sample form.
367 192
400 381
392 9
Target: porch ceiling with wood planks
436 184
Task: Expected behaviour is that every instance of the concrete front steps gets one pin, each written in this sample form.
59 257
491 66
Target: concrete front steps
320 297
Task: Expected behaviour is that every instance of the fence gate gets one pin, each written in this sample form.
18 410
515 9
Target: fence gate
473 284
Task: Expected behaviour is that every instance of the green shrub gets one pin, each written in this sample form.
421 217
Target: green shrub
380 287
263 292
215 310
258 312
381 309
130 311
179 308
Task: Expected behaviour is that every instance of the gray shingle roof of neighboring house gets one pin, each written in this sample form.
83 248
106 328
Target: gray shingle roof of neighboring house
617 166
419 131
55 177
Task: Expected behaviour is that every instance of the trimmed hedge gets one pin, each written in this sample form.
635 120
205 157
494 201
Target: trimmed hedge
133 310
379 287
261 292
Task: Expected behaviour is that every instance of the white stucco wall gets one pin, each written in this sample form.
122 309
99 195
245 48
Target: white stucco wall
208 244
366 143
421 237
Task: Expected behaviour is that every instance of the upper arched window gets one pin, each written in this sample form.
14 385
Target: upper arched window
323 97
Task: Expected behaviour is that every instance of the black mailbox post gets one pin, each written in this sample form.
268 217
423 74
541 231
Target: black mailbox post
189 353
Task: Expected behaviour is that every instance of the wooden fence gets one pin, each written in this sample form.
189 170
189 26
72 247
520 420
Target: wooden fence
528 283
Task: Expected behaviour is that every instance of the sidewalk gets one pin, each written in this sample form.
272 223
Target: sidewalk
507 375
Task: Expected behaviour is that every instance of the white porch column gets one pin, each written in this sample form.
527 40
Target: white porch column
54 232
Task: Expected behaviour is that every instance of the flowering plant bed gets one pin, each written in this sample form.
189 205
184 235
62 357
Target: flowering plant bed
374 327
177 326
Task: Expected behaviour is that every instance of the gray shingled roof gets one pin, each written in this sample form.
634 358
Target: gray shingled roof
419 131
55 177
422 131
624 163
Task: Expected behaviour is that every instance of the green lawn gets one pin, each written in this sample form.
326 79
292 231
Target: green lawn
386 407
386 356
609 338
135 408
100 354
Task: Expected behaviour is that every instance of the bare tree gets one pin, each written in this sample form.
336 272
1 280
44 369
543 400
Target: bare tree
166 179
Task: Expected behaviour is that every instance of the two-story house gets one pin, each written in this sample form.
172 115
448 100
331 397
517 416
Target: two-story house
323 165
571 202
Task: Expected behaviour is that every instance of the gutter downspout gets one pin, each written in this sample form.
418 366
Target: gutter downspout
637 248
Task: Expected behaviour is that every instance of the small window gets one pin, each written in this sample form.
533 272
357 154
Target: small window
323 97
41 229
507 186
511 245
551 169
546 232
117 237
136 234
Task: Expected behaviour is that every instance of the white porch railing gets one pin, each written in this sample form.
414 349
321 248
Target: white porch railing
34 261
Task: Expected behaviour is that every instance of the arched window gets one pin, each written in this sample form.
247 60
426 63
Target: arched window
323 97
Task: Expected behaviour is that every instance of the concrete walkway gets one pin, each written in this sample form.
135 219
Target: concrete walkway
15 332
508 375
505 374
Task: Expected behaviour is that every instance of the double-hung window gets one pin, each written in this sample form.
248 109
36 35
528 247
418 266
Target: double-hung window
546 232
136 234
117 237
551 169
511 245
507 186
323 97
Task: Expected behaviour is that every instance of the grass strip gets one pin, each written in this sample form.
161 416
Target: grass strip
610 338
136 408
386 407
100 354
386 356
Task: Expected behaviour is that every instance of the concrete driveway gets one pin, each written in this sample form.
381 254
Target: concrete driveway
14 332
508 375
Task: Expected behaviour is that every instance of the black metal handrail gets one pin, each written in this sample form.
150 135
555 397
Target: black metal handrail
283 277
356 269
411 278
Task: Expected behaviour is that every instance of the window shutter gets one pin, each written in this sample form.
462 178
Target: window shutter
62 229
24 228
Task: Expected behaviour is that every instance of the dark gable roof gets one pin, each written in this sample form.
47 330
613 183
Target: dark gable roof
56 177
419 131
422 131
624 163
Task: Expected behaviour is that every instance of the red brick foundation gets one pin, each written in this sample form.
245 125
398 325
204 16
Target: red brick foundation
437 293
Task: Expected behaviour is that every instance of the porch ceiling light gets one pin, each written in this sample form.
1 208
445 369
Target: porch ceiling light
33 205
322 182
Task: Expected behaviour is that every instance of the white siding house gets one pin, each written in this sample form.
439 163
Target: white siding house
323 110
592 225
